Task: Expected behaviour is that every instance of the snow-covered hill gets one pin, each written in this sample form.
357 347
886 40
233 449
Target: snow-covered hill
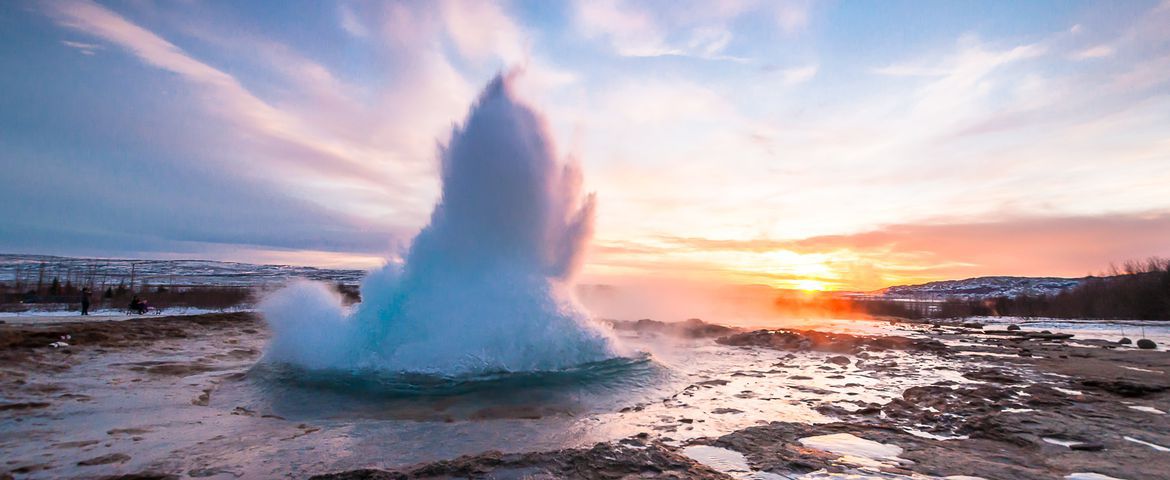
983 287
29 269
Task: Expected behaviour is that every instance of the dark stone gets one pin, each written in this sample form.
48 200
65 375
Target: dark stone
828 342
105 459
1013 327
992 375
691 328
1125 388
630 458
1146 344
839 360
23 405
142 476
1087 447
1125 341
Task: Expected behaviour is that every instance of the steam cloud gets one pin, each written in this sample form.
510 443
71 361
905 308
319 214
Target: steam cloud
485 286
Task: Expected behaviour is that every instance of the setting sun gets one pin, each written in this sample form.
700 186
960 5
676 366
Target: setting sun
810 285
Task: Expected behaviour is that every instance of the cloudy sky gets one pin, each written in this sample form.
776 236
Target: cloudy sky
846 145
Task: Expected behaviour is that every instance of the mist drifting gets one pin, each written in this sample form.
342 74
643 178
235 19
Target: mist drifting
485 286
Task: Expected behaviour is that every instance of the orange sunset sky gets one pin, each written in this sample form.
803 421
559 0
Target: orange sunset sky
796 144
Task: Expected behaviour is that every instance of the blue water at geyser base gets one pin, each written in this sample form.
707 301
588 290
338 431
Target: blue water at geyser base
300 394
481 303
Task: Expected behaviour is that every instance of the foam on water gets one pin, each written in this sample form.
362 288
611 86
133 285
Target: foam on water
485 286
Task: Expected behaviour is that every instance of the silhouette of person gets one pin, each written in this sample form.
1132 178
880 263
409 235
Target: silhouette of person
137 305
85 301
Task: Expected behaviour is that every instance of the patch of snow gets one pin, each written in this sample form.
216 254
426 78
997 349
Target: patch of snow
1063 443
1148 444
57 316
932 436
1089 476
1018 410
1067 391
1142 408
1136 369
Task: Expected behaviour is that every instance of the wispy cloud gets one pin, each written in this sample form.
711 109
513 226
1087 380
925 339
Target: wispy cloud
798 75
683 129
910 71
695 29
1099 51
235 102
1059 246
629 30
84 48
793 15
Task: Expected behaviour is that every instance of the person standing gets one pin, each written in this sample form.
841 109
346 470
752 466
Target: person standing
85 301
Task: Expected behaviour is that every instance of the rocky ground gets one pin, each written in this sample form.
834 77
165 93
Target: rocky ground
635 457
39 370
1032 406
49 348
1044 409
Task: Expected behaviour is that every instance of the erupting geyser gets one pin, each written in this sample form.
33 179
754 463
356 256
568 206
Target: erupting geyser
484 287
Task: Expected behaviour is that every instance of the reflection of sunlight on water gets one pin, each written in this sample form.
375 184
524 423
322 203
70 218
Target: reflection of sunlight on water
860 459
727 461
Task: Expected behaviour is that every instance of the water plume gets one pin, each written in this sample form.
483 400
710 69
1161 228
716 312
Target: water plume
485 286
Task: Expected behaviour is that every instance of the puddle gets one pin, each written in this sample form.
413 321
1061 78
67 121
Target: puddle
729 462
854 448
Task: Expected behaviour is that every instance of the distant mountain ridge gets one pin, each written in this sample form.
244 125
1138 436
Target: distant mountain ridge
983 287
211 272
162 272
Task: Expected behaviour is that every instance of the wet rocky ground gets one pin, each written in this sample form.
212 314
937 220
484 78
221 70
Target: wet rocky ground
1036 408
917 401
1042 410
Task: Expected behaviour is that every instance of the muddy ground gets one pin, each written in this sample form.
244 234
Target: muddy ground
1035 406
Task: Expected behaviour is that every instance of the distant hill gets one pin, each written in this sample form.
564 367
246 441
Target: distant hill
983 287
101 271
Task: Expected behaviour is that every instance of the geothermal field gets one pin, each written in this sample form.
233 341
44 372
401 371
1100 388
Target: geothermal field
585 239
471 357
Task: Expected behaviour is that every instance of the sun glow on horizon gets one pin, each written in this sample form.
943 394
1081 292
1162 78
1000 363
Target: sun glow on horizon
811 285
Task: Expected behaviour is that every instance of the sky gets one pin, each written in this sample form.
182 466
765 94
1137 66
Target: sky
797 144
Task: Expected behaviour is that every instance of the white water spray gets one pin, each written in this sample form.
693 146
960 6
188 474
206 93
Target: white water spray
485 286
